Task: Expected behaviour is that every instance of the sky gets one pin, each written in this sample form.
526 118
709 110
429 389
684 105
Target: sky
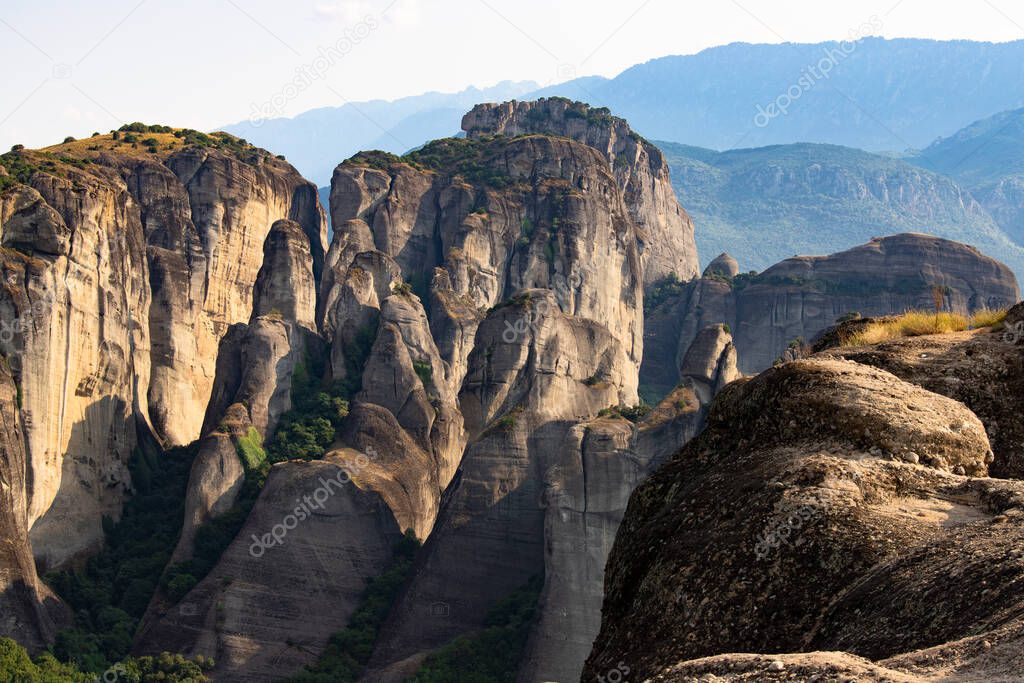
72 68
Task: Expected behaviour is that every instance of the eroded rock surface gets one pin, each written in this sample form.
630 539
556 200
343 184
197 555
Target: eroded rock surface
122 271
29 612
256 364
829 508
789 304
293 575
500 215
981 369
665 231
541 488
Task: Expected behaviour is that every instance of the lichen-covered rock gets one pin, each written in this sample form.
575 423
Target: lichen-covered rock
821 510
983 370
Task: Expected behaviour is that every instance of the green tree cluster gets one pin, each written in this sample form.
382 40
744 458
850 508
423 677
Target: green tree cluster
493 654
110 593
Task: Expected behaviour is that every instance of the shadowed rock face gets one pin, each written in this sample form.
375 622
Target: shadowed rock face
828 508
253 383
129 270
541 488
801 297
665 231
293 575
206 252
29 612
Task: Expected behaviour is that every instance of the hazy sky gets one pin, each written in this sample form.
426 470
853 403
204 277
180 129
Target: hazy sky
74 67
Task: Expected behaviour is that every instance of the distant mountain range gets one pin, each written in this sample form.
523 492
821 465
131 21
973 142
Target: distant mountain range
766 204
987 157
875 94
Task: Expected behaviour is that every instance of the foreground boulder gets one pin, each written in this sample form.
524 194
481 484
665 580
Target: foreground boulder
982 369
828 506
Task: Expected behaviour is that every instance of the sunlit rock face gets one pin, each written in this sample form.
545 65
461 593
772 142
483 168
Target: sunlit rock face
121 275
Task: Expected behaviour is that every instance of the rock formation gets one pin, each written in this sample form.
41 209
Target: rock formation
480 314
665 231
500 215
30 612
541 488
834 511
981 370
122 271
472 285
723 265
253 386
795 300
292 577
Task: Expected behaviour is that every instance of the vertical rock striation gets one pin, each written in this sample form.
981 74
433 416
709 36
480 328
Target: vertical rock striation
122 272
664 230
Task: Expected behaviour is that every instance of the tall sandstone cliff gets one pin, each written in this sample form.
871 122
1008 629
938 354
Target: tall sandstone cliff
483 300
122 269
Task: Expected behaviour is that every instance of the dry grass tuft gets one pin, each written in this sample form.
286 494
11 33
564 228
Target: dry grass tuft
988 317
918 323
